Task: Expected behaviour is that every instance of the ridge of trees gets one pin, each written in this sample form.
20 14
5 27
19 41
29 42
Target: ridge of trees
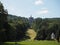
13 28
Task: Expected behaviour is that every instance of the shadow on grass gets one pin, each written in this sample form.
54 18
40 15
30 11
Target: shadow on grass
2 43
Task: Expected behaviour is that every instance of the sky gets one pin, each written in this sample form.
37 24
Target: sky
35 8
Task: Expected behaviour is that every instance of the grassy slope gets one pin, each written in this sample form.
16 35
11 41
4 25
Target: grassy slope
31 33
34 43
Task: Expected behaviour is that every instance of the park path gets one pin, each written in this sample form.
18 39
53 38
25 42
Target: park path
31 33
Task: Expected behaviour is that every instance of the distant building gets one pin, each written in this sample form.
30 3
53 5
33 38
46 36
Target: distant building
52 36
31 19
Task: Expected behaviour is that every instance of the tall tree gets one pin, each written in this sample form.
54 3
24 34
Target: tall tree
3 21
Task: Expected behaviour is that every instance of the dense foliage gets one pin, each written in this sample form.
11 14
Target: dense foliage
46 27
13 28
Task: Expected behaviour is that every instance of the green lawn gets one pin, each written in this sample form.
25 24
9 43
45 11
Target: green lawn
33 43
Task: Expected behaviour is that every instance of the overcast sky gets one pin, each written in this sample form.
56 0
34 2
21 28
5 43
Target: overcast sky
36 8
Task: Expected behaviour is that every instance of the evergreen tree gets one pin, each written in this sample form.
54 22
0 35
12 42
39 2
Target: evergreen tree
3 21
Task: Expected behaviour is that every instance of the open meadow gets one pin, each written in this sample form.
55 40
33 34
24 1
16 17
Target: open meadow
33 43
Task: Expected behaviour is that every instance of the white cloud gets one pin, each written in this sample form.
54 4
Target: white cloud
44 11
38 2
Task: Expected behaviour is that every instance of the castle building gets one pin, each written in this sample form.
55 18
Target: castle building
31 19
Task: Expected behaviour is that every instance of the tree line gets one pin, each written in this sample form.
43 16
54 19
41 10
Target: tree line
45 27
13 28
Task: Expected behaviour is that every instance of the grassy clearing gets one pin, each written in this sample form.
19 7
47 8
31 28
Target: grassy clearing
33 43
31 33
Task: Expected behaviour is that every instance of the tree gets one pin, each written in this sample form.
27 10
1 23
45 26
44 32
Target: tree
3 20
21 31
41 34
36 24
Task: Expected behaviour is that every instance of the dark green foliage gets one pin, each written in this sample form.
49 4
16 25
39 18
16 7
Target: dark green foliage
36 24
13 28
3 20
21 31
47 27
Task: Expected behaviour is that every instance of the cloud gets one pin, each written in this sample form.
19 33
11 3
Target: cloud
44 11
38 2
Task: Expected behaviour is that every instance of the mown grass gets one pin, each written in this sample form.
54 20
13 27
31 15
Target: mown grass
33 43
